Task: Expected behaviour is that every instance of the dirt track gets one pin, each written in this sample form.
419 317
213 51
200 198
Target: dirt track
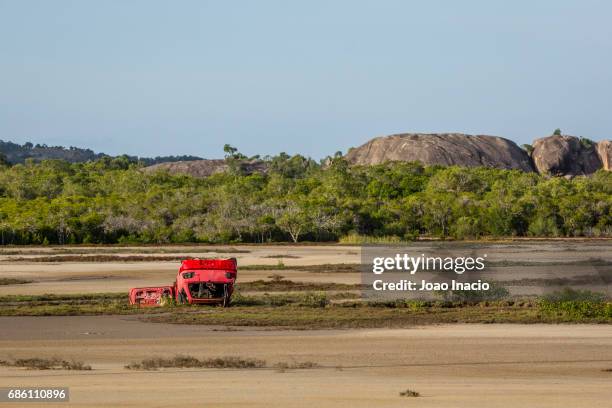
451 366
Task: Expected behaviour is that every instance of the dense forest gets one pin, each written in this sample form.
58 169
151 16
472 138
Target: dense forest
113 201
15 153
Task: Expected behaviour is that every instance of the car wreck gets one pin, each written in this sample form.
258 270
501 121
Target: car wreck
198 281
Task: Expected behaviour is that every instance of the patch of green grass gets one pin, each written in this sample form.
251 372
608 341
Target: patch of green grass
354 315
117 303
358 239
316 310
575 310
575 305
306 299
54 363
68 305
278 283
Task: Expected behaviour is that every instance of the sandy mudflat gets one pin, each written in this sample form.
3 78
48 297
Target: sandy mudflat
96 277
450 365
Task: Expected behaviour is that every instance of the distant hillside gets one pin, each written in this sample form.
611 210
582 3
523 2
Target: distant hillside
16 153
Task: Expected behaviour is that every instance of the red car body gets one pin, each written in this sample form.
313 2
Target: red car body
150 296
206 281
198 281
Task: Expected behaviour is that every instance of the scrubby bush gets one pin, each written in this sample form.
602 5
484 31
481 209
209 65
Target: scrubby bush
576 304
55 202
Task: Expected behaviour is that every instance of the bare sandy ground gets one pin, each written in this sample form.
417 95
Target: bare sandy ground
451 365
92 277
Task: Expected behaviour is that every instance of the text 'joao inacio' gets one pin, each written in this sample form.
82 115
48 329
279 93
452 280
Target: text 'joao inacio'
413 264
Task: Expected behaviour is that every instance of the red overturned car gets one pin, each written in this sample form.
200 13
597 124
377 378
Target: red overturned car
198 281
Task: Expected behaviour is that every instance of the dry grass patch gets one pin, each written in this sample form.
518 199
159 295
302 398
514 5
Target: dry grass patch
101 258
181 361
322 268
37 363
305 365
117 249
185 361
13 281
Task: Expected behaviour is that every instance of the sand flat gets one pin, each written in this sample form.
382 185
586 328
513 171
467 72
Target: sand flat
450 365
114 276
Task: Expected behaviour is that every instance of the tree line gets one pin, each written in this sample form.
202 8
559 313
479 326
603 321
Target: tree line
111 200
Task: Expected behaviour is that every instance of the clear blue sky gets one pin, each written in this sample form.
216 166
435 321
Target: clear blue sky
312 77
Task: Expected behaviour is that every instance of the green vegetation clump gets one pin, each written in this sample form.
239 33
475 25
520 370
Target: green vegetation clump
319 310
68 305
576 310
574 305
587 143
307 299
111 201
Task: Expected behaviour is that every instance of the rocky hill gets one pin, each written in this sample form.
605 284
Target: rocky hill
557 155
205 168
445 149
562 155
604 150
